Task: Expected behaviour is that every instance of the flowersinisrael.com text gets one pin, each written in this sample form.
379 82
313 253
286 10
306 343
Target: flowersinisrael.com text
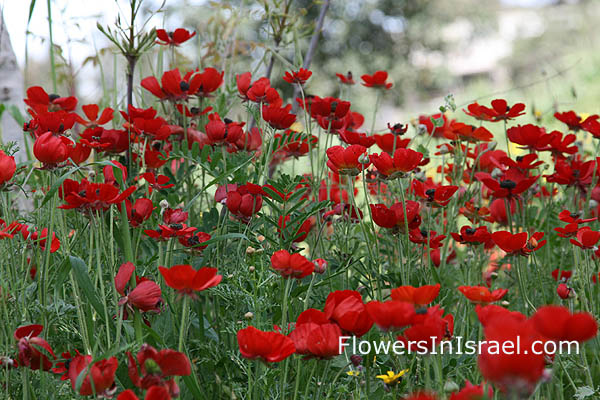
458 346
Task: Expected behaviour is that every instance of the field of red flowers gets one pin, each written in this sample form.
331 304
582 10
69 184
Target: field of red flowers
228 241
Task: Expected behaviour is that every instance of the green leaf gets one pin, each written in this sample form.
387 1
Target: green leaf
82 277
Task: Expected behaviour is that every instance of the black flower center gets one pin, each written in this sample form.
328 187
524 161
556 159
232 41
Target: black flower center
508 184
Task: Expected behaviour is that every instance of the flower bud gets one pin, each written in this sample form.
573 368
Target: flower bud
249 315
164 204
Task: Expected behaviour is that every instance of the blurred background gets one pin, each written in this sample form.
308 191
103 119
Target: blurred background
541 52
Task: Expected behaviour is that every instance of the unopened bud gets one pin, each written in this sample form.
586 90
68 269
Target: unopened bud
260 238
320 265
249 315
164 204
229 276
356 360
251 268
364 159
250 250
92 174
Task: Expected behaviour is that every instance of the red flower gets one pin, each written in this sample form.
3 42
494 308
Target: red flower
586 238
242 201
157 368
330 112
404 161
291 265
476 236
195 240
421 236
347 161
174 87
160 182
558 324
38 99
530 137
7 168
320 340
391 315
501 111
34 351
86 196
377 80
574 121
351 137
139 212
469 133
436 196
277 117
428 330
154 393
210 80
301 231
146 296
175 38
300 77
40 238
220 132
259 91
98 377
421 396
564 274
390 142
186 280
507 187
416 295
266 346
91 112
473 392
52 150
435 131
563 291
481 294
393 217
346 79
347 309
518 243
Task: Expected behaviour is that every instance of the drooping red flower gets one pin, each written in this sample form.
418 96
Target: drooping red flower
347 161
291 265
481 294
300 77
7 168
98 377
266 346
187 281
420 296
518 243
403 162
52 150
151 368
564 291
34 352
391 315
347 309
175 38
146 296
377 80
586 238
394 218
139 212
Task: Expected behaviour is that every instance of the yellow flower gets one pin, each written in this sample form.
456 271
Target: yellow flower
353 373
392 378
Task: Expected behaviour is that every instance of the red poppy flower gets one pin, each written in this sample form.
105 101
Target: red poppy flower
330 112
347 309
40 238
476 236
481 294
416 295
175 38
421 396
98 377
347 161
7 168
86 196
52 150
291 265
390 142
34 352
146 296
8 231
518 244
563 291
194 241
300 77
377 80
436 195
435 131
558 324
157 368
391 315
266 346
574 121
259 91
586 238
469 133
38 99
220 132
351 137
507 187
91 113
487 313
139 212
530 137
478 111
473 392
501 111
154 393
428 330
404 161
172 86
242 201
300 232
321 340
565 275
186 280
278 117
210 80
421 236
346 79
160 182
393 217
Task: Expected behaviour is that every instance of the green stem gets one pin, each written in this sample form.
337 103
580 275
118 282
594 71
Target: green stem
184 317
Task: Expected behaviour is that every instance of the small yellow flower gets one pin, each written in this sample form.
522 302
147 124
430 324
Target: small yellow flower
392 378
353 373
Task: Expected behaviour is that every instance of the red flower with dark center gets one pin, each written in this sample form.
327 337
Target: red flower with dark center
478 111
300 77
518 243
38 99
291 265
346 79
194 241
436 196
97 377
220 133
210 80
559 145
391 315
416 295
475 236
481 294
187 281
40 238
586 238
404 161
259 91
34 352
91 113
347 161
573 173
278 117
151 368
394 218
139 212
174 87
501 111
377 80
421 236
347 309
86 196
506 188
428 330
160 182
267 346
574 121
175 38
